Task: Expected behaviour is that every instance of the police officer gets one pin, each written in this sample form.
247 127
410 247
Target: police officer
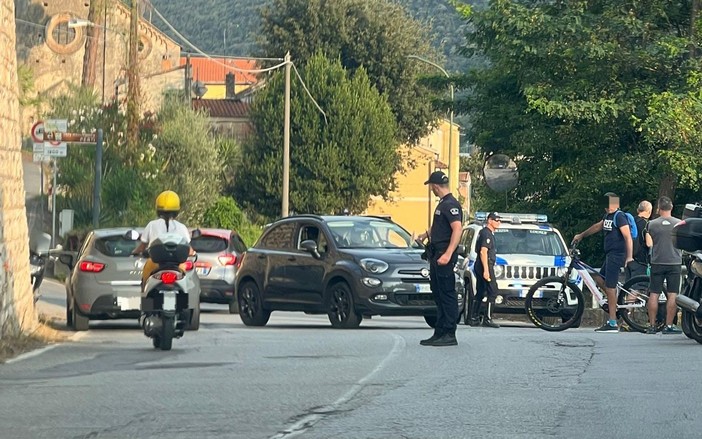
484 270
443 240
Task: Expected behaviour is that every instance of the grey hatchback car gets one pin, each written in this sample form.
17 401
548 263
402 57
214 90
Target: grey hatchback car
105 279
219 253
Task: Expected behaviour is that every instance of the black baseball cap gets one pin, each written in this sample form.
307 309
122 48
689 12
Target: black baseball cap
494 216
437 177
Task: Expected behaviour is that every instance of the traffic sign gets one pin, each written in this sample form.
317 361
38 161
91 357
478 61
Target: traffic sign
38 132
71 137
54 146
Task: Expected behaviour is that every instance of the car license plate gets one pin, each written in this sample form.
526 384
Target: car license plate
423 288
202 271
129 303
169 300
537 294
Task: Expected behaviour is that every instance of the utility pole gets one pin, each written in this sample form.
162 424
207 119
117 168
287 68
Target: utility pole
133 93
286 140
188 79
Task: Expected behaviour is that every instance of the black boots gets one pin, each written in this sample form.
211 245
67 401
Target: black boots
487 321
439 339
430 340
474 313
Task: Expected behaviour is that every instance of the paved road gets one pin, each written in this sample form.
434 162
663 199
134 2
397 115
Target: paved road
298 377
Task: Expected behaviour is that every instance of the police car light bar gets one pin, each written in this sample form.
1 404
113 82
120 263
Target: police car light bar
515 217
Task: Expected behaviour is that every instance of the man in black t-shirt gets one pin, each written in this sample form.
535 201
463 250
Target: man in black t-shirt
484 270
642 244
618 247
444 237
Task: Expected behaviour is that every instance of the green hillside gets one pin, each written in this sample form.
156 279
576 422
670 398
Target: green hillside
230 27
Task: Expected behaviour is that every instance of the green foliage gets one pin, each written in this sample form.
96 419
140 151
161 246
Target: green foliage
335 163
224 214
25 76
587 97
377 35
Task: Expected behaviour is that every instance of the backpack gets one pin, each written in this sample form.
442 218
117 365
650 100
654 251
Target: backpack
632 224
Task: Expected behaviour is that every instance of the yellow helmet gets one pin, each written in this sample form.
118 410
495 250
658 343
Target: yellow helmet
167 201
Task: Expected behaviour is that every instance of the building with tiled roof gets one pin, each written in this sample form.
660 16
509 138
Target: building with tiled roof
212 73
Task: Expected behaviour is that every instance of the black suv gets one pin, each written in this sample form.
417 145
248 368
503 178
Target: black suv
344 266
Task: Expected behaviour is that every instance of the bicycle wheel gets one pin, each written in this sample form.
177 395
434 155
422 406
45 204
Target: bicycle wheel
553 304
632 302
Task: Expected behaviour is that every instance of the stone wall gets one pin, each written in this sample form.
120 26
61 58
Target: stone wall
17 313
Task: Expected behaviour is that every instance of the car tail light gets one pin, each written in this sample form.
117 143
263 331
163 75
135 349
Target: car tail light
227 259
188 265
91 267
169 277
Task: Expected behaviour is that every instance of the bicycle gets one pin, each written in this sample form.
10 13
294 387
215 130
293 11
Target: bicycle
557 303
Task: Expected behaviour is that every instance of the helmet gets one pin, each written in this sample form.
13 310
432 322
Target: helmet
167 201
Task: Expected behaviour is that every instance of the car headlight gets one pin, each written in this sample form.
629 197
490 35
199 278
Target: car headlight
375 266
499 270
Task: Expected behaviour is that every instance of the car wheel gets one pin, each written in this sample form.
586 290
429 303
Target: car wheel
69 312
431 321
80 322
233 307
251 310
342 312
194 319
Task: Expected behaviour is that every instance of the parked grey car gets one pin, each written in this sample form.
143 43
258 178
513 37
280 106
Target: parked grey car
105 279
219 253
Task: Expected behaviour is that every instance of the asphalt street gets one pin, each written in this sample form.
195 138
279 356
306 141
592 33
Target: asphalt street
298 377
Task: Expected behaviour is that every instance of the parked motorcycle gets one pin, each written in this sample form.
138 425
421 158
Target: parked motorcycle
39 245
170 297
687 236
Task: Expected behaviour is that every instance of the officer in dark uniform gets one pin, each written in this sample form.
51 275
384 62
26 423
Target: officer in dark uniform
484 270
441 253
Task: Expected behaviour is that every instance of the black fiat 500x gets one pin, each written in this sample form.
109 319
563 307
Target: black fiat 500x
346 267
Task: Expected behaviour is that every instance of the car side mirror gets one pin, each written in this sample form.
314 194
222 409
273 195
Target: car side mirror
461 250
310 246
131 235
66 259
196 233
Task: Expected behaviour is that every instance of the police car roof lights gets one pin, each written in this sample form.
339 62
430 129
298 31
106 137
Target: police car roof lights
515 218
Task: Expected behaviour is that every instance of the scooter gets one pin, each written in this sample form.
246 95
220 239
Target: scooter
38 251
687 236
170 297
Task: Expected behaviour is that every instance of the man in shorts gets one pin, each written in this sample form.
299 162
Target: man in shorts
618 247
666 267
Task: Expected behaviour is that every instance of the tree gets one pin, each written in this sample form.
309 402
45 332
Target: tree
377 35
587 97
335 163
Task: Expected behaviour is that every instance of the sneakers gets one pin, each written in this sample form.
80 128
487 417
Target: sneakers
429 341
445 340
651 329
671 329
607 328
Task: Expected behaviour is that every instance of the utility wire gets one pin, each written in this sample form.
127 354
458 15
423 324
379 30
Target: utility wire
310 94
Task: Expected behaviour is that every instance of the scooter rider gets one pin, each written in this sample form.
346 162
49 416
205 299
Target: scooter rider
167 208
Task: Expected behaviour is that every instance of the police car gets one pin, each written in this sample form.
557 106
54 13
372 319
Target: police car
528 249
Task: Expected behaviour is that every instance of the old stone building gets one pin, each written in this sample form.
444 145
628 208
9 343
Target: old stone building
17 312
54 35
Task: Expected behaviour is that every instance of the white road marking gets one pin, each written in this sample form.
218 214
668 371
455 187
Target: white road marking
75 337
308 421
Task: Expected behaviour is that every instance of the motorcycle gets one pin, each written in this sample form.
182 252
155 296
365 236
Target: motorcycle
38 251
687 236
170 296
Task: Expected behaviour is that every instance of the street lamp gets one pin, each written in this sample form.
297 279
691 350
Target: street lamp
450 164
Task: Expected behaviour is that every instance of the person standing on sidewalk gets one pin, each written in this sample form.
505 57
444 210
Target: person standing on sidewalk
666 267
618 247
642 244
444 236
484 270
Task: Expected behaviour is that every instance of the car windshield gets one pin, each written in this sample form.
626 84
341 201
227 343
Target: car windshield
115 246
528 241
370 234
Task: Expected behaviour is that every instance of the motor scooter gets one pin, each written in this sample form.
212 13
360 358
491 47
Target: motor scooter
170 297
687 236
39 244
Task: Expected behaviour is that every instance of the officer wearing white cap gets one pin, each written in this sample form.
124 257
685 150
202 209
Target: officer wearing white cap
444 237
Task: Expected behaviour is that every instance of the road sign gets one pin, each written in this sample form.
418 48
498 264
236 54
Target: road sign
71 137
55 128
38 132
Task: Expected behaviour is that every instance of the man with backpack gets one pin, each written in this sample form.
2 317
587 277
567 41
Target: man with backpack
618 228
642 244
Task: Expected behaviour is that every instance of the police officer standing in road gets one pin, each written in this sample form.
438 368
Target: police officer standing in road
484 270
444 237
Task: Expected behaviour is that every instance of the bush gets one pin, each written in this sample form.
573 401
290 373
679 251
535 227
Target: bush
224 214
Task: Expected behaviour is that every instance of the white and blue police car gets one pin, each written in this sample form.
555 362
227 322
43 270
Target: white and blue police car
528 248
